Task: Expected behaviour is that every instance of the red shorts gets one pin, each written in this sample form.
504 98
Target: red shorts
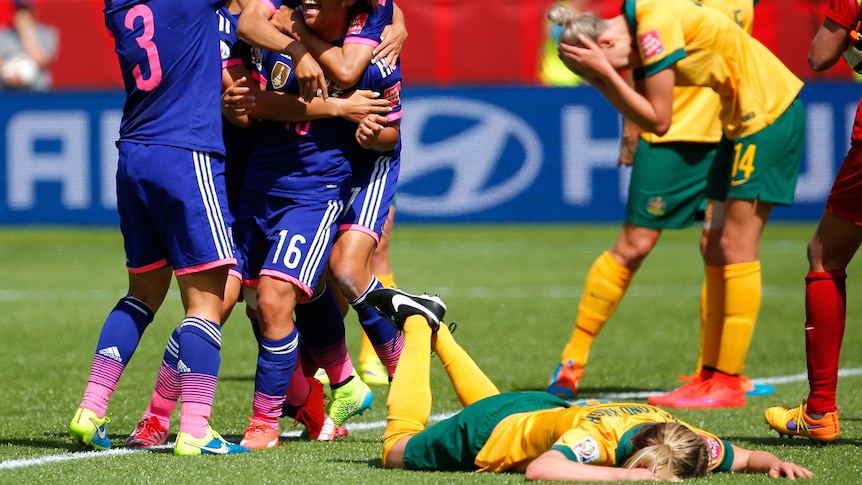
845 199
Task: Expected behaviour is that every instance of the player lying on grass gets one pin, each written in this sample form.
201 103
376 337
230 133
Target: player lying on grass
535 433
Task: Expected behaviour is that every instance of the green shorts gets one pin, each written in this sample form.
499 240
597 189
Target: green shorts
668 184
452 444
763 166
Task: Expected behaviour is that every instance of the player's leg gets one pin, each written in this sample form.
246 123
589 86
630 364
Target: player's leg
321 324
470 383
371 369
149 280
119 338
666 191
833 245
409 402
763 169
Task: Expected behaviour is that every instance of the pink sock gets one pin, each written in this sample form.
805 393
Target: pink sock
165 396
390 352
104 376
335 361
198 392
299 388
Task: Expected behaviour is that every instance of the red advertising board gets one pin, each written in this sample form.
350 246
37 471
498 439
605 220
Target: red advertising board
451 42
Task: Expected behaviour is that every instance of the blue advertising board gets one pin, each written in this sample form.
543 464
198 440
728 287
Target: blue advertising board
478 154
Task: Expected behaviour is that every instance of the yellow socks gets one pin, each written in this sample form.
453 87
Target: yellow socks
604 288
713 314
743 293
470 383
387 280
409 402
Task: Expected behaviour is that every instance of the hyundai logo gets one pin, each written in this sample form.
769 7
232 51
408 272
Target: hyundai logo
464 156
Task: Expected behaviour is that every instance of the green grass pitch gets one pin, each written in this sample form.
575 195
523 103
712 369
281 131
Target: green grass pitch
513 290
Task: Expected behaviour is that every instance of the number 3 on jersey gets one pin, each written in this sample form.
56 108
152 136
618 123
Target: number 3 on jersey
143 14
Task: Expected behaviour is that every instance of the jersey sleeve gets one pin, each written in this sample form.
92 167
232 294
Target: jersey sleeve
844 13
368 28
660 41
585 446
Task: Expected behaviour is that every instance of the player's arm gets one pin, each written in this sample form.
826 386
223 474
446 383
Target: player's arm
652 111
552 465
375 133
344 65
285 107
254 27
757 461
237 98
243 102
828 44
392 39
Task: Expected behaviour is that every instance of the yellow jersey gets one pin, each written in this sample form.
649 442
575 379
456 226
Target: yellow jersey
597 433
696 109
710 50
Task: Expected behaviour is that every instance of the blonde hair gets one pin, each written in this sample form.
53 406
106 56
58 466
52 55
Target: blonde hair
573 23
669 449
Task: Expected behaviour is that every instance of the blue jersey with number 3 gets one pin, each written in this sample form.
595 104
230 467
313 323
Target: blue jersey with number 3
168 53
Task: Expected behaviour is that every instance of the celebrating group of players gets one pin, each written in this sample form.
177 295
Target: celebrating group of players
271 174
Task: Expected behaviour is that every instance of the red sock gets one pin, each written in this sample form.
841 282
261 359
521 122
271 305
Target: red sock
825 316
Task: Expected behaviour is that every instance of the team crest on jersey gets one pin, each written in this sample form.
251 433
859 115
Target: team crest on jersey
357 23
586 450
715 453
224 50
393 95
651 44
656 206
279 74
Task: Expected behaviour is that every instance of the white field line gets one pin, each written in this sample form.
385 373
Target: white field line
49 459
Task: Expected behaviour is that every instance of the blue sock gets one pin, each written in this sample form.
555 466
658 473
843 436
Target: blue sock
275 362
123 329
319 321
379 330
200 343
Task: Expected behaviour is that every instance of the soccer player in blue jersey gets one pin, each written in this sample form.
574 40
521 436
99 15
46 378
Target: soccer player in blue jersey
296 186
171 191
152 430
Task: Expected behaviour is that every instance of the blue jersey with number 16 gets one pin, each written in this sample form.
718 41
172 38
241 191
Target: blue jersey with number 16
169 58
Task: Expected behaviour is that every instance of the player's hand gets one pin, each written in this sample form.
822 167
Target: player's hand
391 42
237 99
285 19
362 103
308 73
369 129
588 62
789 470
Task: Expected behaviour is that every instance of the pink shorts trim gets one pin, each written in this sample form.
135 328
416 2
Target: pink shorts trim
355 39
230 62
150 267
203 267
308 291
357 227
